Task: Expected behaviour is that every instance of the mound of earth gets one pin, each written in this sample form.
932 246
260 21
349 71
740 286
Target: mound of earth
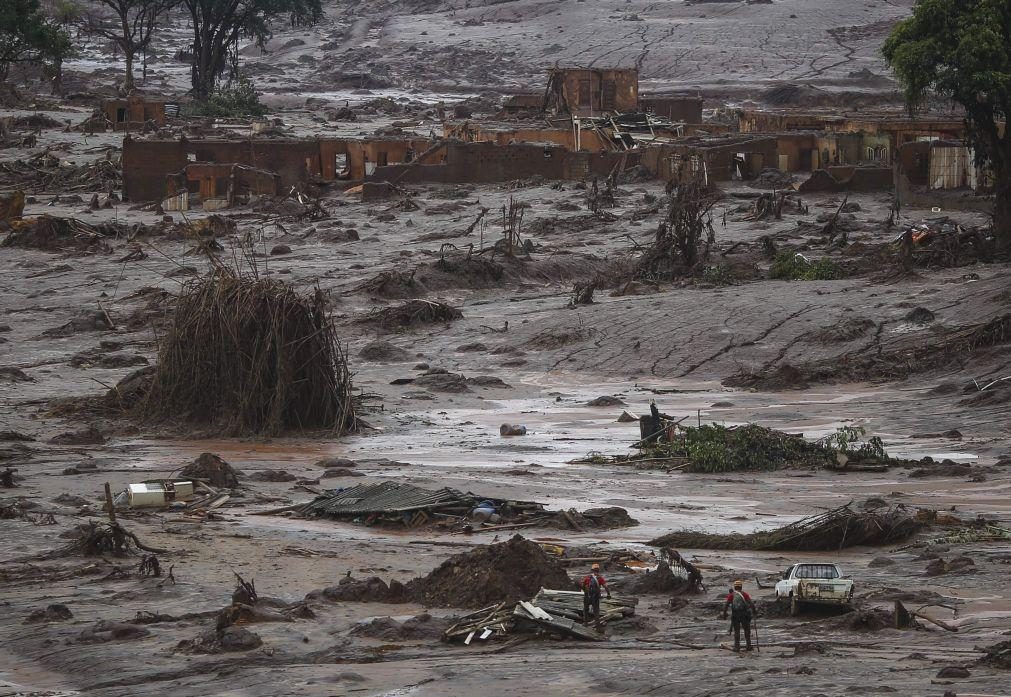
505 572
212 468
423 626
372 589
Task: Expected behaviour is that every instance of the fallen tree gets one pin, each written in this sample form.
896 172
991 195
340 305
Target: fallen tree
835 529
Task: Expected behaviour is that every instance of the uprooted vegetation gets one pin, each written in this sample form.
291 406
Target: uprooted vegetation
835 529
683 239
251 356
52 234
413 313
791 266
908 355
712 448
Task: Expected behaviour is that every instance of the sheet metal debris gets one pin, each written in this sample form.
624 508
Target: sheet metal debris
550 611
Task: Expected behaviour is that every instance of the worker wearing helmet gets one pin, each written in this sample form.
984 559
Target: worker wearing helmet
742 608
592 584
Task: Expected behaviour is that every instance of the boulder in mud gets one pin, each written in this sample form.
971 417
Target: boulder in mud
420 627
384 352
214 470
512 430
606 401
56 612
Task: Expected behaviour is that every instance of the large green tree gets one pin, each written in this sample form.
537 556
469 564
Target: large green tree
27 36
961 49
219 24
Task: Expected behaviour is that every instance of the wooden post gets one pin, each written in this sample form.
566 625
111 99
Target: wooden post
109 505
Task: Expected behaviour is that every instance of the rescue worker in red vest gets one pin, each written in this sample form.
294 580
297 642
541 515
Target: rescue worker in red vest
592 585
742 609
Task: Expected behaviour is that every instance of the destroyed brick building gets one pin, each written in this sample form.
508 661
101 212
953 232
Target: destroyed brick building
588 91
134 112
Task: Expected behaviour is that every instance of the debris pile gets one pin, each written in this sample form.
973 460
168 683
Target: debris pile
552 612
98 539
52 234
251 356
712 448
398 503
506 572
46 172
392 503
835 529
413 313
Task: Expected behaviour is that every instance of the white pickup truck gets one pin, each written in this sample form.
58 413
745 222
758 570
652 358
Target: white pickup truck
821 584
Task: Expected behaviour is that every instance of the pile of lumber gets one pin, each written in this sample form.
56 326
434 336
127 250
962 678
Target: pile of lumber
555 612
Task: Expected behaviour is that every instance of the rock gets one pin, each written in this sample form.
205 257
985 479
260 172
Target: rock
86 321
487 381
472 348
626 418
12 436
14 375
606 401
383 352
920 315
105 630
53 613
236 638
273 476
340 472
953 672
279 249
512 430
722 405
877 562
215 470
335 463
442 382
88 436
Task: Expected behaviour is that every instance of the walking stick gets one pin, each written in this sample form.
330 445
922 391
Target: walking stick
758 649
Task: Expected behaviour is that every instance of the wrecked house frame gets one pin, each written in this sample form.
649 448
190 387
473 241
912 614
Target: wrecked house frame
133 113
712 159
588 91
154 168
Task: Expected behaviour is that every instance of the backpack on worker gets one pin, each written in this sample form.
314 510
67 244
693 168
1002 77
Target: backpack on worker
739 606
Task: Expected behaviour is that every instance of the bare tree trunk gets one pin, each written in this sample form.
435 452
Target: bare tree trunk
1002 194
128 83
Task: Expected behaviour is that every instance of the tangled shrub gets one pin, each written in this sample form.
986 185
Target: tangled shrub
790 266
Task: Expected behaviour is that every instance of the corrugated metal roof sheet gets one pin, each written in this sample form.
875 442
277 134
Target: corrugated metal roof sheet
387 497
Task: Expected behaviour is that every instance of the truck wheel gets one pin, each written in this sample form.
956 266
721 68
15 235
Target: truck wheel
794 605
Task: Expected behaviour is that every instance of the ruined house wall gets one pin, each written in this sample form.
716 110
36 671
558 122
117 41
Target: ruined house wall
487 162
593 91
146 164
675 108
131 114
719 159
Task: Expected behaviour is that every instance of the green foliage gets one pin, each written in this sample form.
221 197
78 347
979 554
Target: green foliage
27 36
712 448
239 100
961 50
720 275
789 266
